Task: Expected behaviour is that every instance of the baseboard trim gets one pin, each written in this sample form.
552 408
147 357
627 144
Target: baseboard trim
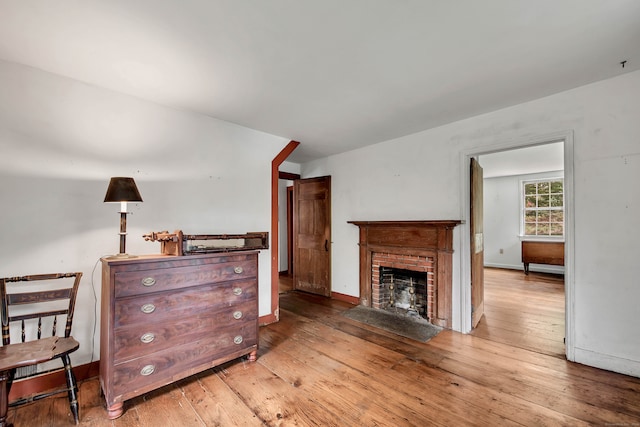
607 362
346 298
51 381
540 268
267 320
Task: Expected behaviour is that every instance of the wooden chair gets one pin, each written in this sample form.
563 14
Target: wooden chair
30 308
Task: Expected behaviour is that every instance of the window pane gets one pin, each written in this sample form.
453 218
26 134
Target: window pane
529 189
530 216
530 229
530 202
555 200
543 216
543 229
556 229
557 216
543 187
543 201
556 186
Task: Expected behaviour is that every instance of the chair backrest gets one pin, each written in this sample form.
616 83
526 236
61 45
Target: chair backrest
41 298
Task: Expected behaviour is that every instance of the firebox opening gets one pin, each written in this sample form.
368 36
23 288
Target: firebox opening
404 291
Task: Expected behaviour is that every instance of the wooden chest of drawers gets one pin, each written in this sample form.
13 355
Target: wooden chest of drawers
168 317
542 253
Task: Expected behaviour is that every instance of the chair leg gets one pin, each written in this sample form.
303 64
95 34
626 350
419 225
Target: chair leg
72 388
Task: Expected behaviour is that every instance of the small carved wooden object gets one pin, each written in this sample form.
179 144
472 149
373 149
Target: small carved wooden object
170 243
178 243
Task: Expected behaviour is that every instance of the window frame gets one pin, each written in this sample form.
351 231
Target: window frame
523 209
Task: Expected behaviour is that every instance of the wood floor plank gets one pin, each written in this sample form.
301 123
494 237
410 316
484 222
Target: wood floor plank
92 406
345 398
301 362
215 403
166 406
510 407
531 383
275 401
524 311
373 366
370 395
317 367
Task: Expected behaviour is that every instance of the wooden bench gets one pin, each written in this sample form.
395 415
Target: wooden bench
537 252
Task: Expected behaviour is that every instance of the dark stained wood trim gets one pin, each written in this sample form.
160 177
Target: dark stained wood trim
275 175
290 230
288 175
345 298
51 381
410 223
268 319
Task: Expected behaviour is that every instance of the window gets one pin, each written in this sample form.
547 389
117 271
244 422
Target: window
543 202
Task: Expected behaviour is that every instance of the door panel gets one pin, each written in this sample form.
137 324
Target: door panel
477 244
312 235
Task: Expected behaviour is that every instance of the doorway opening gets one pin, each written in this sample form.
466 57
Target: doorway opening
285 219
542 319
524 311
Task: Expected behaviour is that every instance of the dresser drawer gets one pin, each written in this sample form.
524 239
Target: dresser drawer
134 341
162 279
180 361
189 302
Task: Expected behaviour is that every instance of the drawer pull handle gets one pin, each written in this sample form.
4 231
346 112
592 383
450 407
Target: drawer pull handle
147 338
237 291
148 308
238 270
237 315
238 339
147 370
148 281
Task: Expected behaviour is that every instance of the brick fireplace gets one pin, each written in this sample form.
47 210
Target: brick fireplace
396 270
414 246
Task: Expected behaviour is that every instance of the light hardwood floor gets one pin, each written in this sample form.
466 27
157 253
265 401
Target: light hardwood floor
525 311
319 368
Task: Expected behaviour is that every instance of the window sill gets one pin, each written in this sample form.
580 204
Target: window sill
541 238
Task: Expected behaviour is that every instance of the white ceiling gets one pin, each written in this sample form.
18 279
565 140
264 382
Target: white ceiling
523 161
332 74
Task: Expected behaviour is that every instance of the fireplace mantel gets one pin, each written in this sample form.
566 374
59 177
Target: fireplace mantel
416 238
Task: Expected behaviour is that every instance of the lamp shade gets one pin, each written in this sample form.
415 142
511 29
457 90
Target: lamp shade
122 189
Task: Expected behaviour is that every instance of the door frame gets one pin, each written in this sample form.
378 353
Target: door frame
464 296
274 314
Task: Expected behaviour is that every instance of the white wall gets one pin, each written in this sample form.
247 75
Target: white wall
62 140
502 222
418 177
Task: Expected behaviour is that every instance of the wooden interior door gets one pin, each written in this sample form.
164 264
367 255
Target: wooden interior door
477 245
312 235
290 230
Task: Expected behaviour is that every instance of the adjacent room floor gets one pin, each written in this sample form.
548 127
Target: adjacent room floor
525 311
